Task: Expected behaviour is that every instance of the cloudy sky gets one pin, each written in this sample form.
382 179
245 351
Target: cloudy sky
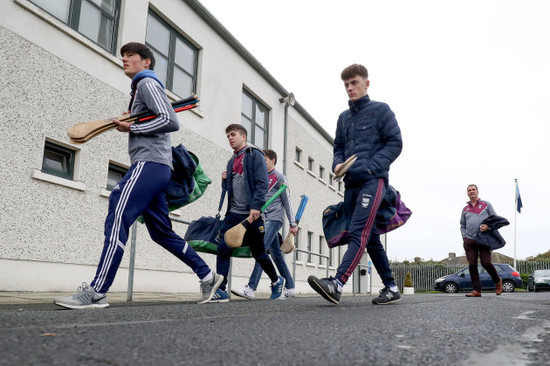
468 81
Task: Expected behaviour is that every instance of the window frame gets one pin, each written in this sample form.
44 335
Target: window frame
310 163
298 155
309 245
256 103
64 151
73 20
117 168
171 66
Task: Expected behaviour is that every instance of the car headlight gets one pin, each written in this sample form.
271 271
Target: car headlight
540 280
440 279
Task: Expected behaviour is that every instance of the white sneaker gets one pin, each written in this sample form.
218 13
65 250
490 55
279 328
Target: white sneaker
245 292
288 293
86 298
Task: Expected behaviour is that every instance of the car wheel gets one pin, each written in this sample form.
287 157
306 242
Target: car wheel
535 288
451 288
530 289
508 286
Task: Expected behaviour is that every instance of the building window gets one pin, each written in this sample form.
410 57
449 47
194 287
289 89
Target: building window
297 243
96 20
254 117
330 179
339 186
310 164
298 157
114 175
58 161
321 246
175 57
309 243
321 172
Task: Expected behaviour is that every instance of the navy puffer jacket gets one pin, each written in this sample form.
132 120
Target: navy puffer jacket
369 130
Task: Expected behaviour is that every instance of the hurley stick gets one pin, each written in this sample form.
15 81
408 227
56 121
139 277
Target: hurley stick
288 243
234 236
83 132
339 174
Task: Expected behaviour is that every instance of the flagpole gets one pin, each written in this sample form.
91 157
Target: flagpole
515 219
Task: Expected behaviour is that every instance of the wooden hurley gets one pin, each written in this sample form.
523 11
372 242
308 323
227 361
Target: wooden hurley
234 236
339 174
83 132
288 244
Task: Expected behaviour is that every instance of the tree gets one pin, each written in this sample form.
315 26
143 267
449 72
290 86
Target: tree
408 281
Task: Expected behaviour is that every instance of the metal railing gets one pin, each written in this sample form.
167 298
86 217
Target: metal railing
295 259
133 241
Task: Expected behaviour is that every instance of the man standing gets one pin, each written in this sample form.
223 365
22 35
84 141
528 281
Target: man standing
274 219
471 220
367 129
246 180
141 190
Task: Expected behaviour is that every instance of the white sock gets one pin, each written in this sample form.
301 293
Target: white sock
394 288
208 277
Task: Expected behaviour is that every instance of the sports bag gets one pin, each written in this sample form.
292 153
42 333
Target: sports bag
391 215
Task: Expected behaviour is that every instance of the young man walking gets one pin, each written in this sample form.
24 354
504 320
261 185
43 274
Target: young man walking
246 181
141 191
367 129
274 219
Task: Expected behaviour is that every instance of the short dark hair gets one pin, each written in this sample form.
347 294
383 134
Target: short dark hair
271 155
140 49
236 127
472 185
353 71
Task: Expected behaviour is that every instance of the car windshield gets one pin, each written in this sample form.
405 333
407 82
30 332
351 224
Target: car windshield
542 273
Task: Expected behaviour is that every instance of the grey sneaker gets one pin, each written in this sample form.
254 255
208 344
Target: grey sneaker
387 296
209 288
246 292
326 287
86 298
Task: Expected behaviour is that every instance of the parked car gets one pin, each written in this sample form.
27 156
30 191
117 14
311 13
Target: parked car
539 280
461 281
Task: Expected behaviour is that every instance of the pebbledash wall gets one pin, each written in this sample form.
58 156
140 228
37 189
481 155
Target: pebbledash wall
52 77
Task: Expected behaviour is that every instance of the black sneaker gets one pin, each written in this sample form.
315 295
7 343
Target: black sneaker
326 287
387 296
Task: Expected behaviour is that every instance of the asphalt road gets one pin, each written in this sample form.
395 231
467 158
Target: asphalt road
423 329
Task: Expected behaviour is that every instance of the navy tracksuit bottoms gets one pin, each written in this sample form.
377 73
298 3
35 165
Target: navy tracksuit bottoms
361 203
141 192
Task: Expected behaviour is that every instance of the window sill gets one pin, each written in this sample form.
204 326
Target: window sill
37 174
323 181
311 265
331 187
298 164
311 173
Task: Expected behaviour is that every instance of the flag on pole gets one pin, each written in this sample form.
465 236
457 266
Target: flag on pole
519 205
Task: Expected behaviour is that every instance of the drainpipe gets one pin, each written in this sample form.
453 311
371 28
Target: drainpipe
288 100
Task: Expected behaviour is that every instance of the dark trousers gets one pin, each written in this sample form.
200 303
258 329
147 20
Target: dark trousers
141 192
473 252
253 238
361 204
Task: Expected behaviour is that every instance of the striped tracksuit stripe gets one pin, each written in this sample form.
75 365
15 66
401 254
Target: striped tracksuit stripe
361 215
114 238
141 192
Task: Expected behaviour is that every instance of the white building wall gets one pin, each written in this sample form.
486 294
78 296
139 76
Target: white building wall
53 77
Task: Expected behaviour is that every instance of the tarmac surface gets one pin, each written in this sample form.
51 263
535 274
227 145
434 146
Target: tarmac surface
170 329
